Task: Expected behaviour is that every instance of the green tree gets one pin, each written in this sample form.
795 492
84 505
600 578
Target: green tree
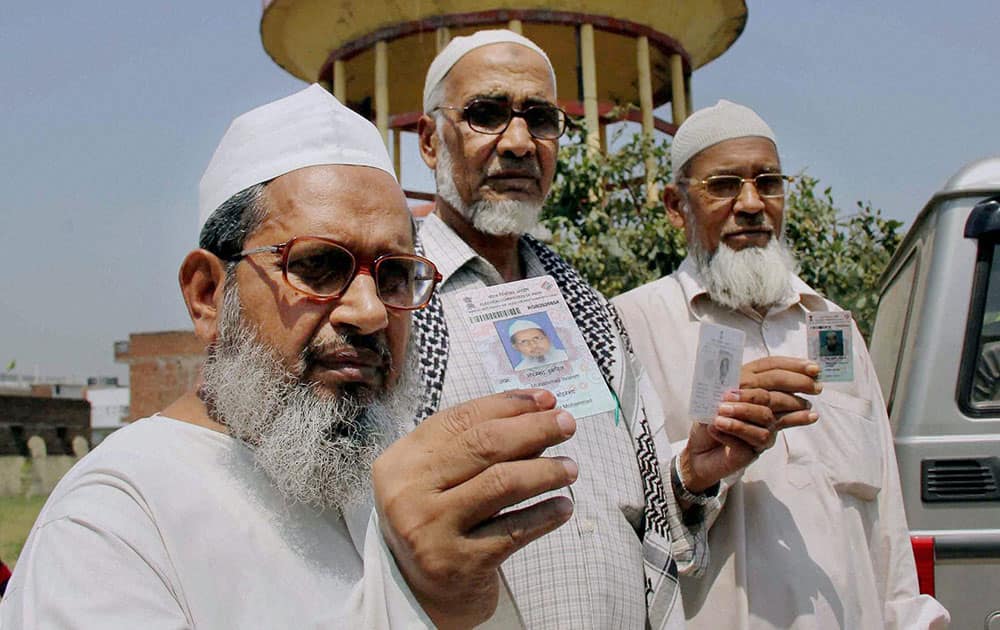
600 222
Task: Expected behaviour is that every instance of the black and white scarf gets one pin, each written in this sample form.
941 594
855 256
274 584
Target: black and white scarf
603 331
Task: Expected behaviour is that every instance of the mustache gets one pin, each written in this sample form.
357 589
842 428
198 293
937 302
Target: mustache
319 348
527 164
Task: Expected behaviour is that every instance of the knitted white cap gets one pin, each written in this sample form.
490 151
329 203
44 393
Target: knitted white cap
709 126
522 325
460 46
308 128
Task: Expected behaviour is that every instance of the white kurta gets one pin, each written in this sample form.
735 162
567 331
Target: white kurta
813 534
171 525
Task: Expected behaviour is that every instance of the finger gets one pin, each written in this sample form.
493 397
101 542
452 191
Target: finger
459 418
467 454
787 403
502 535
791 364
730 441
796 419
757 414
753 396
755 436
503 485
784 381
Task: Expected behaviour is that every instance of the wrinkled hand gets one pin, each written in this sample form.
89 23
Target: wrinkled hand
784 377
743 430
438 492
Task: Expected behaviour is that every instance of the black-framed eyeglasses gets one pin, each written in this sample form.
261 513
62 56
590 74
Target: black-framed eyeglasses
322 269
490 116
768 185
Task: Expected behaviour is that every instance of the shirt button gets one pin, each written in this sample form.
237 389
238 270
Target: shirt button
587 526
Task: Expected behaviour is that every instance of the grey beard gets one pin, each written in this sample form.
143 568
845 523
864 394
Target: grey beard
500 217
316 449
756 277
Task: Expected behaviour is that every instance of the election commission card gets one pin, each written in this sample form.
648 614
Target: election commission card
829 337
526 337
716 370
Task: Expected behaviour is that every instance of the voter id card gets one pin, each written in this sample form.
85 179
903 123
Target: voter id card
716 370
526 337
829 337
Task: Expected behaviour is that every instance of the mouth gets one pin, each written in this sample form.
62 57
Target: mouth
349 366
758 236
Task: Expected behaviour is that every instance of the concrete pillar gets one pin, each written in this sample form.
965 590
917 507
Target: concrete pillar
688 99
588 65
646 108
515 25
442 37
340 80
397 158
382 90
677 100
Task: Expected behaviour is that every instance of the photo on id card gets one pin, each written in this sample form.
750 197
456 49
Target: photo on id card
526 337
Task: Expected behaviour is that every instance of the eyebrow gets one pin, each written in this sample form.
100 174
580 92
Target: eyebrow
757 167
504 97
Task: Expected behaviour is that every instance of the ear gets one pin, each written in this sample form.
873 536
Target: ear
426 127
673 199
203 279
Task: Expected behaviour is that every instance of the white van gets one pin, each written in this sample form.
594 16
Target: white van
936 348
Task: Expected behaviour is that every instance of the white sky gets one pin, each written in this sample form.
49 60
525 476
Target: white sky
110 110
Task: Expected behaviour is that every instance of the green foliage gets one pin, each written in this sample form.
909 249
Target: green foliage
600 222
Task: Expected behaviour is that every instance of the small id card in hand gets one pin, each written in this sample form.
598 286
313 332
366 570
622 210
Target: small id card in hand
829 337
716 369
525 336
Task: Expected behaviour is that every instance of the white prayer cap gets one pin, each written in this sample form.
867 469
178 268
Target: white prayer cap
723 121
308 128
458 47
522 325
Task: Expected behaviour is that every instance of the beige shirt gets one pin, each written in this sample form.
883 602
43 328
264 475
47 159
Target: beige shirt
813 534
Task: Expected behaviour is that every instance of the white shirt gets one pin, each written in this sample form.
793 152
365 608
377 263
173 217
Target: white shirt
171 525
813 534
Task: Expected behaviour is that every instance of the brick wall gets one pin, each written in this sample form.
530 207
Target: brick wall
56 420
162 366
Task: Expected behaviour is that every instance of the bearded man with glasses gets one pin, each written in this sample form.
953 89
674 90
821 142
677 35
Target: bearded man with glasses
491 132
248 502
813 533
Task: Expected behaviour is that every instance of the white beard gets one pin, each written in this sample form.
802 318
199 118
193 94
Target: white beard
755 277
499 217
317 449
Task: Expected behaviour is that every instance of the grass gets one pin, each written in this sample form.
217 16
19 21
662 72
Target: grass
17 515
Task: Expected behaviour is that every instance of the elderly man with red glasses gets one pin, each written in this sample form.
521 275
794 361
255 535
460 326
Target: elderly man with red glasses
490 132
813 533
248 502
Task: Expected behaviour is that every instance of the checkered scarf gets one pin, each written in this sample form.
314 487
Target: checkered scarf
605 336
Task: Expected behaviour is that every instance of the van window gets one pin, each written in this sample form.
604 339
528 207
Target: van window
890 326
983 392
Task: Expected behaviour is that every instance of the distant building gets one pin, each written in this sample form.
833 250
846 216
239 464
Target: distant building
58 422
162 366
109 409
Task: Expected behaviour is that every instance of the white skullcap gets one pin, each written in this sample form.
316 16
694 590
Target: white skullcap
723 121
522 325
460 46
308 128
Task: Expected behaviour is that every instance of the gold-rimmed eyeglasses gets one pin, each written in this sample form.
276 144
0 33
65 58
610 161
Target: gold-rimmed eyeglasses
768 185
322 269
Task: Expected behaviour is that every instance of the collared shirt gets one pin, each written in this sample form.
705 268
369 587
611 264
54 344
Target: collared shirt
813 533
589 572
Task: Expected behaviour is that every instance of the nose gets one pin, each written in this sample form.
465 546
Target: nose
359 309
749 200
515 141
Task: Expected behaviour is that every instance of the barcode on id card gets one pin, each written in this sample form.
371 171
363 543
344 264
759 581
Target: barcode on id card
483 317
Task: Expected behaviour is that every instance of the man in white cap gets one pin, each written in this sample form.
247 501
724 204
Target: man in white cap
536 349
247 503
490 131
813 534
